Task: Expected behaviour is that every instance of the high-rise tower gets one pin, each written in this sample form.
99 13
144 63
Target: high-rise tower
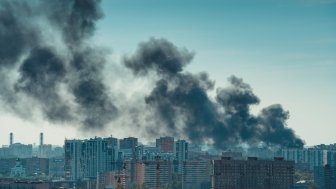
181 154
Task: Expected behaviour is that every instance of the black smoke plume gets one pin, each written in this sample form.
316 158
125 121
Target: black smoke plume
159 55
63 77
41 74
181 102
15 35
49 61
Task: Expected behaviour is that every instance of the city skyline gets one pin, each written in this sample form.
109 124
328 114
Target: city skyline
105 161
152 142
284 51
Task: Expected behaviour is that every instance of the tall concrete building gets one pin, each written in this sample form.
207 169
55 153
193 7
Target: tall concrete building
325 177
72 159
331 158
252 174
165 144
181 150
86 158
181 154
96 157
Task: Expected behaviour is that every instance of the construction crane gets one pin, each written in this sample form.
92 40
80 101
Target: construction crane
122 174
157 158
119 184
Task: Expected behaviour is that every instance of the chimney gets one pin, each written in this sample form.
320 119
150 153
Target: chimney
11 139
41 139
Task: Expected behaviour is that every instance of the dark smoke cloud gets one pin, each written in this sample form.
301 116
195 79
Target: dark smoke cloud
237 98
181 102
273 118
15 34
47 59
45 73
159 55
95 103
41 74
75 18
236 101
89 90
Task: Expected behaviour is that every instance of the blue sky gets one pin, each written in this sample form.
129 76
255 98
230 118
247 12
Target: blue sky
284 49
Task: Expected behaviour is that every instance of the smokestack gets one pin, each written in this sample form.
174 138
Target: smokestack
41 139
10 139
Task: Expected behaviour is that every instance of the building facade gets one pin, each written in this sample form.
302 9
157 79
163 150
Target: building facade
196 173
86 158
306 158
165 144
158 173
252 174
181 155
128 143
325 177
72 159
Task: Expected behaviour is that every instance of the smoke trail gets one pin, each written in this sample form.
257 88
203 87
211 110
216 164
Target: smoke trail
181 103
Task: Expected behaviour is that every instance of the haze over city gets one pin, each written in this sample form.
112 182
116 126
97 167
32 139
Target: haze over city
182 68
